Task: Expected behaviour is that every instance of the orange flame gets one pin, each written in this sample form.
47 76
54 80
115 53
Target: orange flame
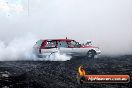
81 71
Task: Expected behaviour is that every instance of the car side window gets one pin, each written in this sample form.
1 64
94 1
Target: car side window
73 44
50 44
62 44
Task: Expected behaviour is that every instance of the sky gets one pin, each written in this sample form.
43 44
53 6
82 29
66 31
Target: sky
108 23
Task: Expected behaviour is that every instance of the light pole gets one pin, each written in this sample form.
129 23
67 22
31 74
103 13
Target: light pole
28 7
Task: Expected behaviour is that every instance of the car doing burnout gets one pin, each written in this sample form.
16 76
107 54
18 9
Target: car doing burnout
65 46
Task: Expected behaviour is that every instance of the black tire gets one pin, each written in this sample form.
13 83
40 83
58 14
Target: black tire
91 54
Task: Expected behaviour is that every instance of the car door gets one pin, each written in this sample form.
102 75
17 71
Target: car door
63 47
78 49
50 47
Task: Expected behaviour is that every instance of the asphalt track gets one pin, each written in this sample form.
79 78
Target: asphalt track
62 74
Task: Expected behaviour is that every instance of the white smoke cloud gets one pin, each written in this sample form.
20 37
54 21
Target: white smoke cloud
21 48
106 22
17 49
57 57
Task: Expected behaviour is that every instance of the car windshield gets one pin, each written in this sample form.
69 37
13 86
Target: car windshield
88 43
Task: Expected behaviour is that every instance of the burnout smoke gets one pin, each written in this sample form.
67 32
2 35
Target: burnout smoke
106 22
57 56
17 49
22 49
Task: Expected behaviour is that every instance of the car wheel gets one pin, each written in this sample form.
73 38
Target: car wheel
91 54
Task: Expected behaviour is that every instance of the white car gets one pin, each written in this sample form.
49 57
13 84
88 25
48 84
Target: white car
66 46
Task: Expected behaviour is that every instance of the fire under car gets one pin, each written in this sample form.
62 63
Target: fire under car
65 46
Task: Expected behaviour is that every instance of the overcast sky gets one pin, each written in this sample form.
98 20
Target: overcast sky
108 23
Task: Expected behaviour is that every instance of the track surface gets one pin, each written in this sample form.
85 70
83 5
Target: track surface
62 74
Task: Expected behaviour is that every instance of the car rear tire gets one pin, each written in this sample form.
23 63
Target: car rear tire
91 54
